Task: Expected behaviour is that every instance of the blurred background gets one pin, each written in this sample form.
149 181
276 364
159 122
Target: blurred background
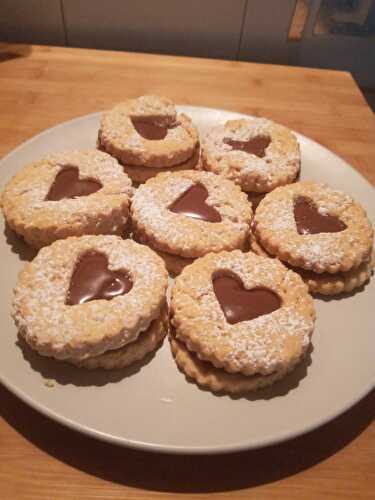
335 34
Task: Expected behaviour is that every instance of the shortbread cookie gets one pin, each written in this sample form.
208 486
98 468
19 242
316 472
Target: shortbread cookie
148 132
242 313
327 283
115 359
190 213
314 227
67 194
255 153
216 379
81 297
139 174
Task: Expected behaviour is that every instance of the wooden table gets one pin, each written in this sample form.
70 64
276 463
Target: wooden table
39 459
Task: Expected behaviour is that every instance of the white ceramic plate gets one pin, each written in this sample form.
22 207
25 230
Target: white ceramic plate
152 406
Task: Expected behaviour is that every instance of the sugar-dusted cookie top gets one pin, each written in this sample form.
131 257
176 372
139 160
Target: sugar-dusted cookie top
242 312
190 213
82 296
148 132
256 153
315 227
67 194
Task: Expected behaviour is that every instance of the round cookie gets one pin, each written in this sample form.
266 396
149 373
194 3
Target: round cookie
327 283
68 194
148 132
243 313
190 213
257 154
82 297
314 227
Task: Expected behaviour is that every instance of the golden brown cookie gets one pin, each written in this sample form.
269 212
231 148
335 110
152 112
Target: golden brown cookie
243 314
134 351
190 213
82 297
314 227
68 194
148 132
327 283
255 153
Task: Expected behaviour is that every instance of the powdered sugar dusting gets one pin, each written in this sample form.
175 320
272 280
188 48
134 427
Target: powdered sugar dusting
54 328
117 127
150 211
279 160
285 219
31 185
262 345
275 226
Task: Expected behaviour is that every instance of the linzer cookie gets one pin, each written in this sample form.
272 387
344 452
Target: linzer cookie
185 215
69 194
148 136
257 154
95 301
320 232
238 321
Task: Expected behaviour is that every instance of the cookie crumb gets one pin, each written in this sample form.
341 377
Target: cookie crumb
49 383
166 400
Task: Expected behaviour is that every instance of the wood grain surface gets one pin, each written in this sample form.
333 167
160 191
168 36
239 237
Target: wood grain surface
39 459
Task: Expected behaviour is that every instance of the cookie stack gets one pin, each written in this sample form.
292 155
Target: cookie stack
185 215
257 154
320 232
239 322
94 301
148 136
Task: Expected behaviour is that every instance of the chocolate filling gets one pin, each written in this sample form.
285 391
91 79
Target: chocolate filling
310 221
67 184
238 303
256 145
149 129
92 280
192 203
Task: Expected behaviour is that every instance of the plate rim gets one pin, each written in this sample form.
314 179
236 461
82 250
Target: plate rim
178 449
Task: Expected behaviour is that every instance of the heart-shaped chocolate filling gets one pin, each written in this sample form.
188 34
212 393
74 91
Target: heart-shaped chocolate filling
238 303
310 221
192 203
67 184
256 145
151 130
92 280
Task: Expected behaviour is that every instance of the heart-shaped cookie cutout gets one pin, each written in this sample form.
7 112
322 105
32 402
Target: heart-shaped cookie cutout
310 221
255 146
92 280
67 184
150 130
192 203
239 304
